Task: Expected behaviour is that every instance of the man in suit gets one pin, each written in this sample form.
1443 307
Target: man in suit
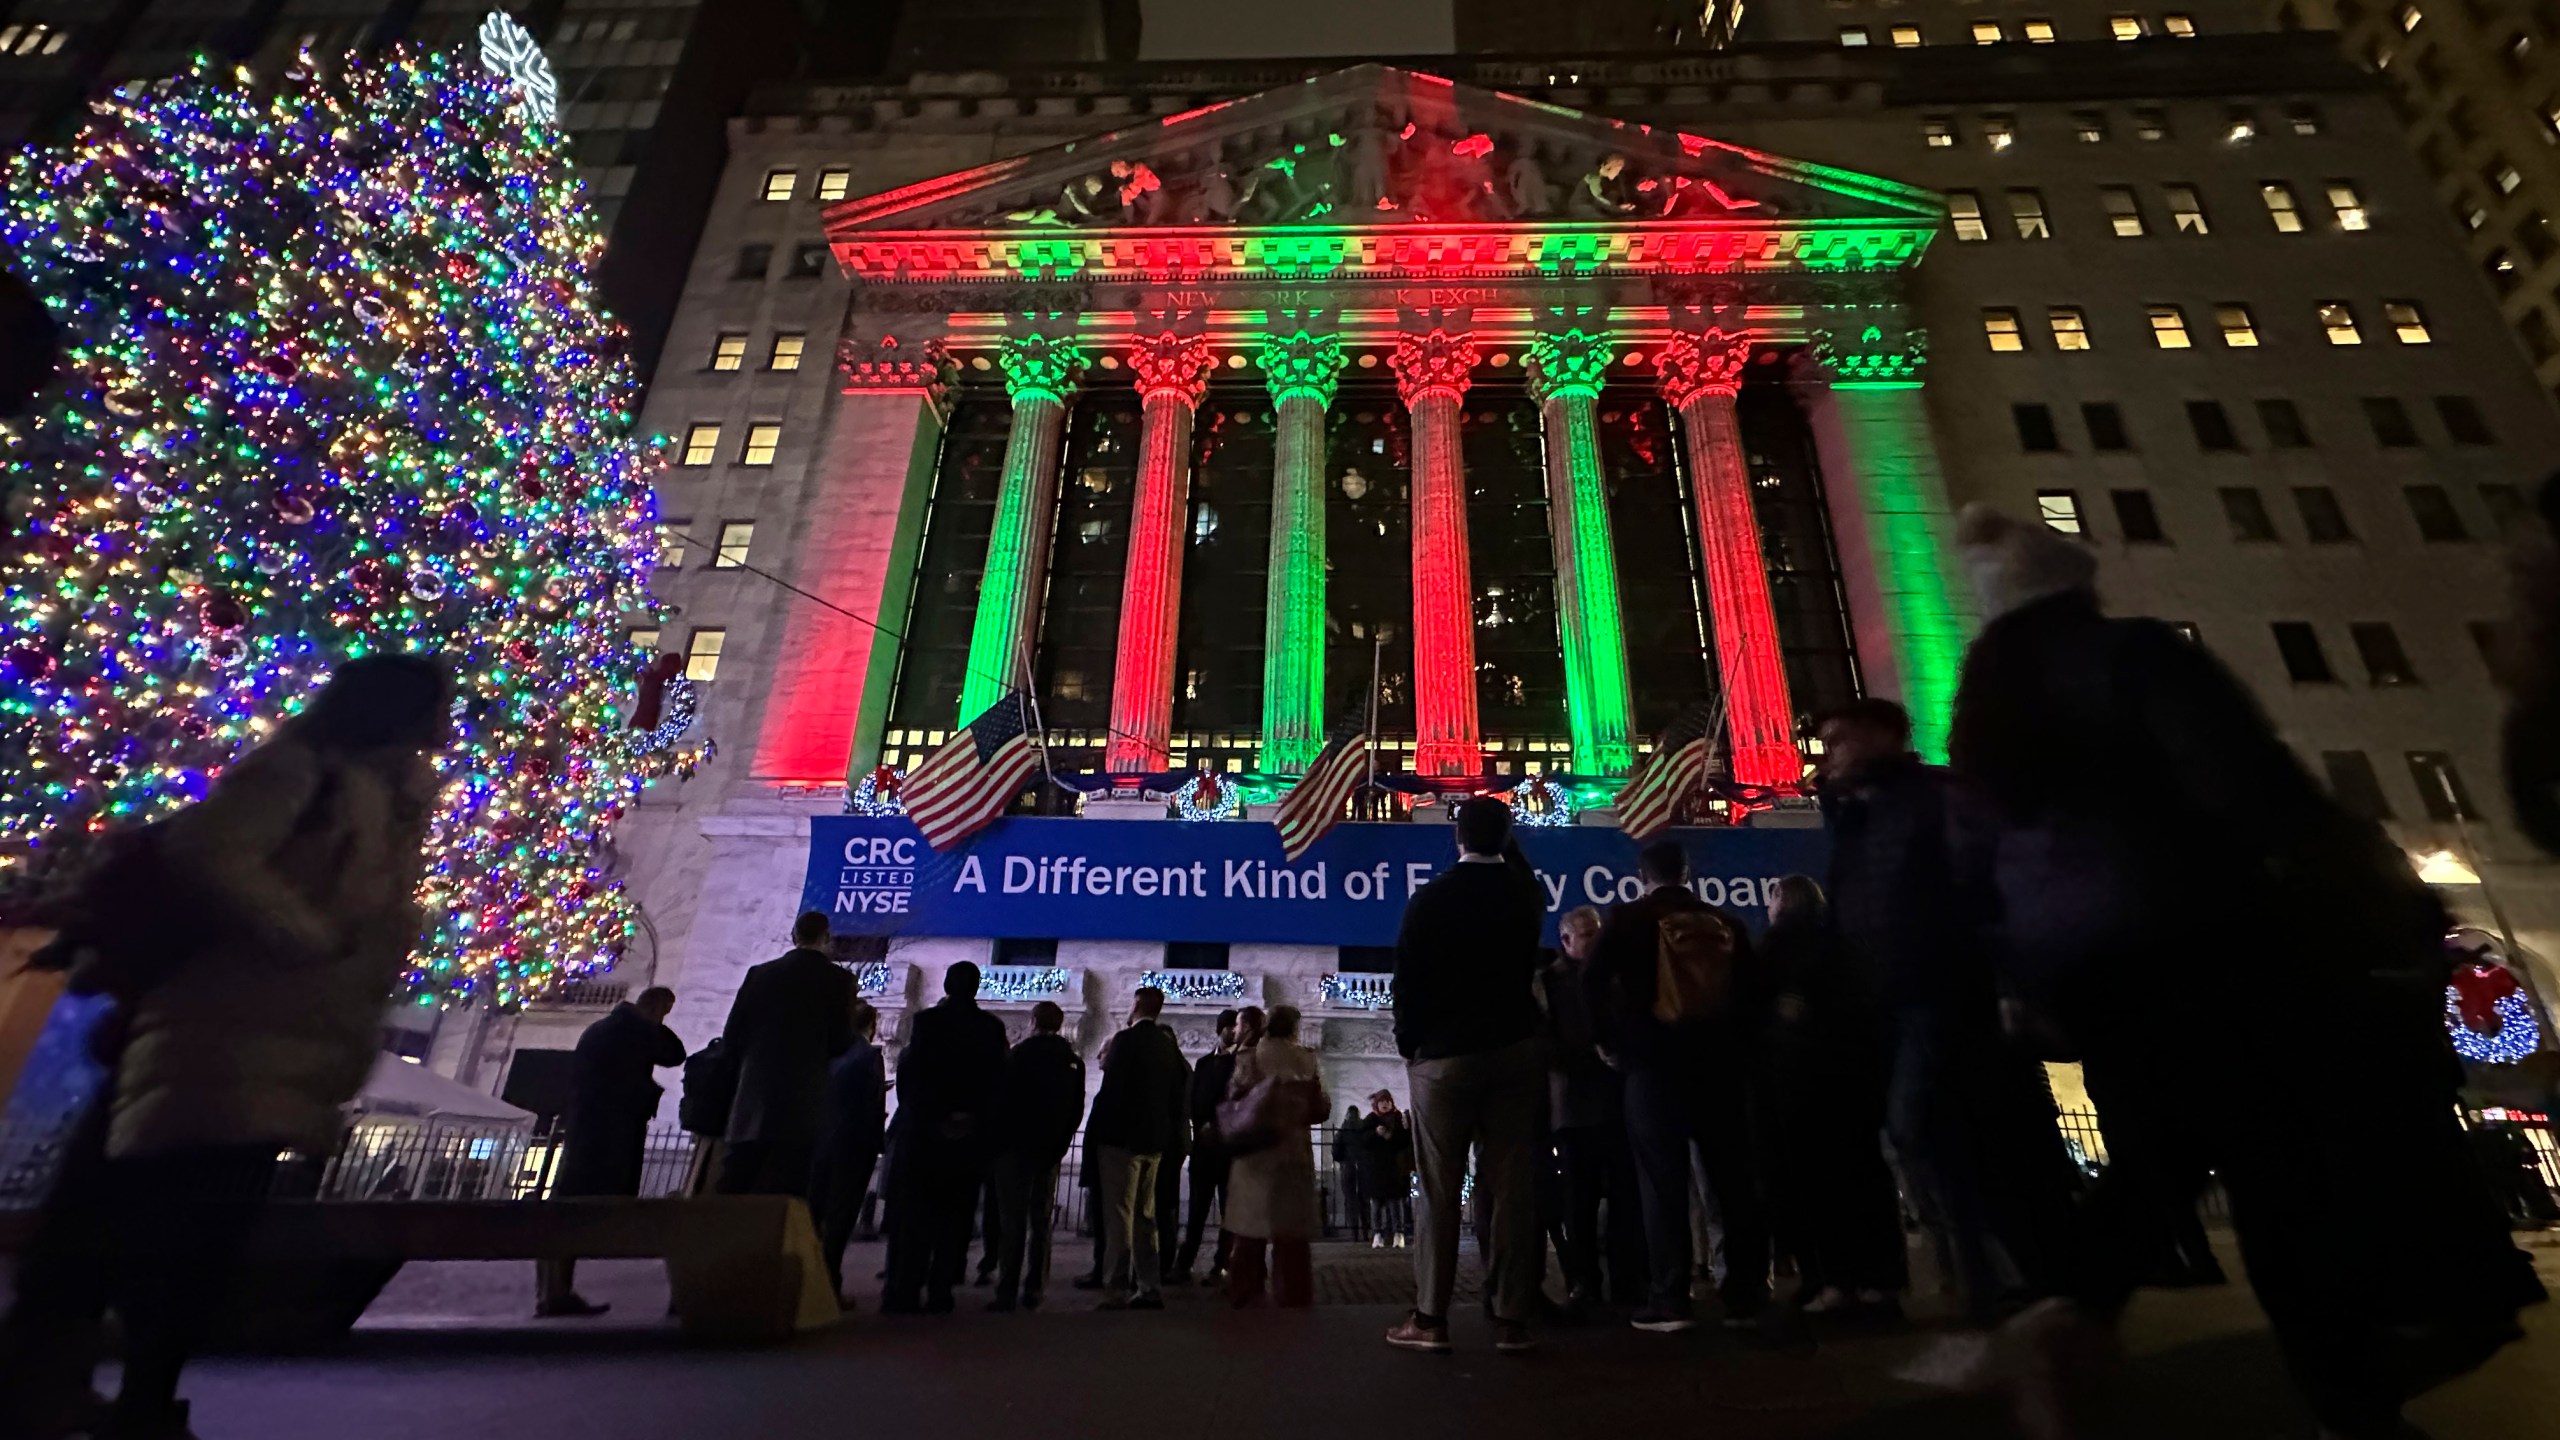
948 1080
1042 1100
1137 1118
612 1096
792 1018
1209 1158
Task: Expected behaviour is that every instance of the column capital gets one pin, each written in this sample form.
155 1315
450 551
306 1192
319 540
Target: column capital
1045 366
1301 364
1692 364
1439 363
888 366
1568 362
1868 345
1169 364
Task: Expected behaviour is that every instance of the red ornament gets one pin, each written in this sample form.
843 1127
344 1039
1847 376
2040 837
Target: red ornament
522 651
529 487
294 509
30 661
372 577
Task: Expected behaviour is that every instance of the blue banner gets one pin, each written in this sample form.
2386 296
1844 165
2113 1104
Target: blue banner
1179 880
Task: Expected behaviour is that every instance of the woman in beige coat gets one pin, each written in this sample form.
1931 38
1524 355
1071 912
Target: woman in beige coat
1271 1193
292 889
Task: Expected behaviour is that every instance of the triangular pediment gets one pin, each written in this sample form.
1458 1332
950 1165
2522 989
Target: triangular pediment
1384 156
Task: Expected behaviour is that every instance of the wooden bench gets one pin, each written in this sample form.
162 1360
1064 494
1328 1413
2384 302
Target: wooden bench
742 1268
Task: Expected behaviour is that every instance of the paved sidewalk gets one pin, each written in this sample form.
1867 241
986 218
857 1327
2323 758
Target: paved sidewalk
426 1367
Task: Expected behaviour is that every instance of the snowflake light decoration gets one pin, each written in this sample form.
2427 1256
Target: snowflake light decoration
509 51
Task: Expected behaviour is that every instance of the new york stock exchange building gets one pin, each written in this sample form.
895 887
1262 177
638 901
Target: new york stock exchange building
1512 408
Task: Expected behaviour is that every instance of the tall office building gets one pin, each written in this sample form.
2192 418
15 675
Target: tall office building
1527 401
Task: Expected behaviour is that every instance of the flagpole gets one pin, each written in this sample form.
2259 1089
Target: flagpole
1039 728
1377 659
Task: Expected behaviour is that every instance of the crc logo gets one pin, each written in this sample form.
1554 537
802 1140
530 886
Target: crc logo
878 876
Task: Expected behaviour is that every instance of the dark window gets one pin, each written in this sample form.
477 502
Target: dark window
2323 522
2246 509
2354 783
2390 421
1080 623
2432 507
2489 637
2305 663
1217 662
2282 420
2538 339
2212 425
2507 509
1196 955
1519 671
1795 542
753 261
2106 425
1369 558
809 261
2137 519
1025 952
2463 421
1670 640
2440 786
943 607
2035 427
2378 646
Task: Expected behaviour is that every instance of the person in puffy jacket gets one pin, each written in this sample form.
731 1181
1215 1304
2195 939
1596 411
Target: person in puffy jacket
296 879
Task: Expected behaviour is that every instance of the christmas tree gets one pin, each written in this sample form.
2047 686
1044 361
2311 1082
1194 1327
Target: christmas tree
334 381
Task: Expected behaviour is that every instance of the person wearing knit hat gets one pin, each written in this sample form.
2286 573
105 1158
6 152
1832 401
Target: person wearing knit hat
2151 847
2015 563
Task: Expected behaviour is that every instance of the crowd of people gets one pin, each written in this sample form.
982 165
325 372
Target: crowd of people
2119 842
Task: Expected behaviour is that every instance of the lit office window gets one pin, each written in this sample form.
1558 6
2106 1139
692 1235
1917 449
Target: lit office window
2124 214
834 184
1906 36
788 347
2280 207
2303 119
762 440
702 655
2169 327
2239 330
671 544
2070 327
778 184
1999 131
2242 128
729 352
2347 205
2339 323
1939 131
2186 209
2125 27
2090 126
2000 329
2026 210
644 639
2150 124
2182 27
1987 32
701 444
2038 32
2059 509
2408 324
2410 16
1853 36
1964 208
735 538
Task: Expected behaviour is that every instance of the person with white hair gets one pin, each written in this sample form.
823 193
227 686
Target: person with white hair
2122 764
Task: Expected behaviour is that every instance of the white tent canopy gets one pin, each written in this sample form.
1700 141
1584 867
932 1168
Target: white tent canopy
400 1088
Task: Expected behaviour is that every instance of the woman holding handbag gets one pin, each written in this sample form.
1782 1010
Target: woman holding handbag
1271 1191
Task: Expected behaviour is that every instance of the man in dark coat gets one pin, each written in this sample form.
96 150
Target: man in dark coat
852 1128
1137 1118
948 1080
792 1018
612 1096
1209 1158
1037 1109
1967 1116
2121 761
1687 1084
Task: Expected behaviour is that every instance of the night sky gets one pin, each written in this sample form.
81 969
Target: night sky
1244 29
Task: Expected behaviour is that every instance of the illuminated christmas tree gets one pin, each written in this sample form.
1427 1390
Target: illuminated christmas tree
334 380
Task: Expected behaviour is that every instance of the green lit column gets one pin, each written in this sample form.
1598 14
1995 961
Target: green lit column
1566 371
1039 373
1910 611
1301 370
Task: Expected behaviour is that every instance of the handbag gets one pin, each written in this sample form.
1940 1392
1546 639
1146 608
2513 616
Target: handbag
1258 1118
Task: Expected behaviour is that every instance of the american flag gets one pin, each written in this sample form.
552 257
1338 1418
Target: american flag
1318 802
967 783
1675 770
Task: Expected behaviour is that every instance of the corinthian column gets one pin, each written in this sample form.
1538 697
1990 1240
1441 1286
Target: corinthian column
1301 370
1431 374
1565 374
1039 372
1700 375
1172 372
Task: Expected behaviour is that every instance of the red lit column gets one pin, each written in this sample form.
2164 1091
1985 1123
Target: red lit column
1431 374
1700 375
1172 371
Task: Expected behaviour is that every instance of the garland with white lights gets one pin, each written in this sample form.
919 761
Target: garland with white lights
1195 987
1013 984
1356 992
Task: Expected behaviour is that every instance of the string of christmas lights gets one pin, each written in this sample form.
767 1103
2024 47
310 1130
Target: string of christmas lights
334 381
